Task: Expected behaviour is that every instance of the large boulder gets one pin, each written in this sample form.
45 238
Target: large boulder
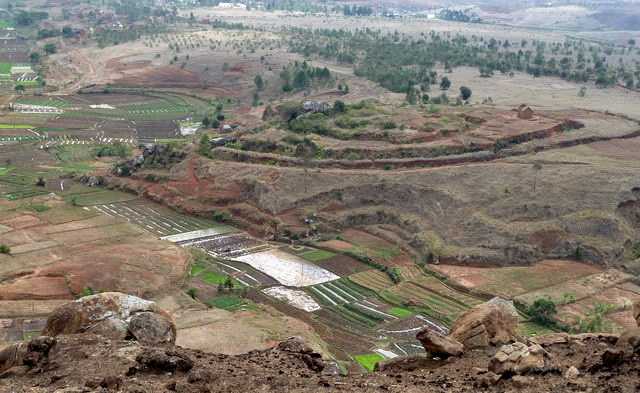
636 312
518 358
629 340
438 345
492 323
114 315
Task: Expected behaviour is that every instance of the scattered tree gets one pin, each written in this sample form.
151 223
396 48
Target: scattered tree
50 48
34 57
228 283
582 92
412 96
339 106
445 83
259 82
4 249
465 93
203 146
537 167
67 32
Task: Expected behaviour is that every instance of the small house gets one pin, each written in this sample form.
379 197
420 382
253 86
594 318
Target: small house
525 112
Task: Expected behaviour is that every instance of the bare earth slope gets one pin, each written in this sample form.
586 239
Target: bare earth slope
512 210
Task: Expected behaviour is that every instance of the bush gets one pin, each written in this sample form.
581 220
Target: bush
87 291
115 150
339 107
635 250
465 93
595 321
347 122
315 123
203 146
543 311
221 216
4 249
389 125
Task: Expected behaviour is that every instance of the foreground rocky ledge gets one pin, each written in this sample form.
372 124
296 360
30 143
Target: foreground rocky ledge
87 363
481 354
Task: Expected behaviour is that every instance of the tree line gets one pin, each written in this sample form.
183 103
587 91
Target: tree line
397 61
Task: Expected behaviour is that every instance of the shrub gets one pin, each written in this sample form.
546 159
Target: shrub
115 150
87 291
389 125
465 93
347 122
315 123
543 311
595 322
4 249
635 250
221 216
203 146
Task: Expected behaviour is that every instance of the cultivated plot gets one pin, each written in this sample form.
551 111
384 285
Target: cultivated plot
154 218
294 297
288 269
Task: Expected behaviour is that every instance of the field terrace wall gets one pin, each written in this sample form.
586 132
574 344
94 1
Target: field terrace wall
223 153
505 147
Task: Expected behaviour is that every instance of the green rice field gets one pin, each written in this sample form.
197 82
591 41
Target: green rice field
369 360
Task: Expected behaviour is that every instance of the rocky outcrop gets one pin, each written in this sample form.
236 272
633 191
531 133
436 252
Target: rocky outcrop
438 345
25 353
90 363
492 323
113 315
519 358
297 346
153 156
404 364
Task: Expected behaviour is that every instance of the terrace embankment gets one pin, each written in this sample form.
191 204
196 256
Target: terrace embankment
507 211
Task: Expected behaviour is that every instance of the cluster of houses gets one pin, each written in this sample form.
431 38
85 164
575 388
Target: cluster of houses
227 6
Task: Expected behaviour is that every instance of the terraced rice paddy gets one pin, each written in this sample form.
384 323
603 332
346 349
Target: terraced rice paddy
232 245
154 218
245 274
20 138
18 185
55 102
294 297
352 303
287 269
229 303
433 284
372 279
435 305
368 361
